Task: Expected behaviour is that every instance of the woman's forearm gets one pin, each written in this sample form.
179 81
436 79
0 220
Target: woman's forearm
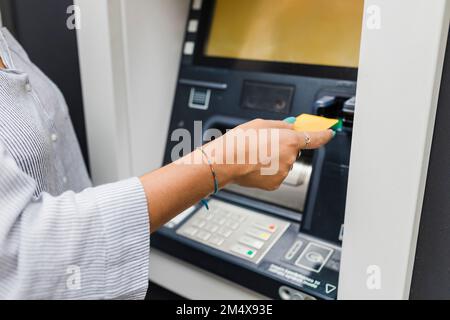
179 185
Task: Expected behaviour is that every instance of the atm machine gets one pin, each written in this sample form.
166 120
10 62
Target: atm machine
271 60
243 60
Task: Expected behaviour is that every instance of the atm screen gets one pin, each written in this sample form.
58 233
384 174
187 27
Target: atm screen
309 32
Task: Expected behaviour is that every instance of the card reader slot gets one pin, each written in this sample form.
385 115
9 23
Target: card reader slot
337 107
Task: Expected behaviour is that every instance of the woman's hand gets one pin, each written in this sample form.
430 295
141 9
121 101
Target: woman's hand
257 154
269 149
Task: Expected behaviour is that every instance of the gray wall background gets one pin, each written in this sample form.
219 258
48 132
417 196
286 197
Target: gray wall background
431 276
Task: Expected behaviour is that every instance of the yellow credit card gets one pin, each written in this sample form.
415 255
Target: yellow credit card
310 123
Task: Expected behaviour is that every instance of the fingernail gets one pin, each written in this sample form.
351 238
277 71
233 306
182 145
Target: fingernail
290 120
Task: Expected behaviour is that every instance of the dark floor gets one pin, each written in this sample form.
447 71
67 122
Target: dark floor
156 292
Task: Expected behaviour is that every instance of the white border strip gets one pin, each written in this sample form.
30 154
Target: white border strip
399 77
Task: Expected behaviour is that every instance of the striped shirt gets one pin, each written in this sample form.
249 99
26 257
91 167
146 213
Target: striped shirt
60 238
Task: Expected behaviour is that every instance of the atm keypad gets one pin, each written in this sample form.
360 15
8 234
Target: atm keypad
235 230
266 227
252 242
203 235
211 227
260 234
216 240
225 232
244 251
199 223
191 231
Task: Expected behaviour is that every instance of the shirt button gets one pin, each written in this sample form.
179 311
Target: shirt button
28 87
54 137
64 180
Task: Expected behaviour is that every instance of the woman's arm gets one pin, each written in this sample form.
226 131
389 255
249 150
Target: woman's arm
175 187
95 244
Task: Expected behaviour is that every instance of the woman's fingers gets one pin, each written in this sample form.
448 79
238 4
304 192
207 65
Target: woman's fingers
276 124
290 120
315 140
269 124
307 140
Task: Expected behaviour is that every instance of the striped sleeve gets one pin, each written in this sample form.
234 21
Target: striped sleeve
88 245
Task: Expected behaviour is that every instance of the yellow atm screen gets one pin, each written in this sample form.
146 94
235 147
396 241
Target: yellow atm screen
317 32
